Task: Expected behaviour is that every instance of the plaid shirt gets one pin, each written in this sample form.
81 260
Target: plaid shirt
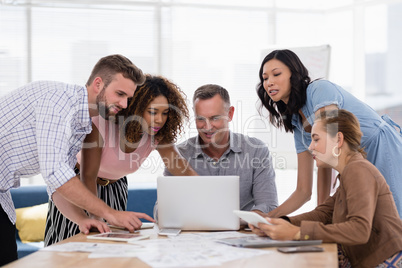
42 127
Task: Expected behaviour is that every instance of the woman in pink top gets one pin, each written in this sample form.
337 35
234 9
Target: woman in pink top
118 146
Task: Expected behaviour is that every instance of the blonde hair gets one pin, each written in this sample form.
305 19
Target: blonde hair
343 121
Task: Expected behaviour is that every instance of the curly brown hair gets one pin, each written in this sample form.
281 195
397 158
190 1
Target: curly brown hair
153 87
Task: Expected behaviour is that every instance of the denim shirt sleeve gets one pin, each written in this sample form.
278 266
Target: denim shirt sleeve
322 93
302 140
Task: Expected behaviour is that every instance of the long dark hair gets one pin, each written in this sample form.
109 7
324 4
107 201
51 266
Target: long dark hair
280 113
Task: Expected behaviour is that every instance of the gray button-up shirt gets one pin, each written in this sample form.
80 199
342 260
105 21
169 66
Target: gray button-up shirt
247 157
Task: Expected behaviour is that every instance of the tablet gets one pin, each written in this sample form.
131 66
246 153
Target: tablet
251 217
300 249
126 237
254 241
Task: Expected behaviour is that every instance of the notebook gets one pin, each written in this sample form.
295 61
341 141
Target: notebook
198 203
255 241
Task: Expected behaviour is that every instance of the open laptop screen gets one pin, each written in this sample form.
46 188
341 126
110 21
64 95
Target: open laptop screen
198 202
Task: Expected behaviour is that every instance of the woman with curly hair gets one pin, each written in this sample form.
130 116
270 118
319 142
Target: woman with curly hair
118 146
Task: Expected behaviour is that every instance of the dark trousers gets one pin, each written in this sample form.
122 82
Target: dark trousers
8 252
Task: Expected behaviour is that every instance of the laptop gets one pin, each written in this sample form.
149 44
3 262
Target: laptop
198 203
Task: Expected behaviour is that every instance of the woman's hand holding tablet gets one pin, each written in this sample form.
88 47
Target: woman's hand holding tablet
251 217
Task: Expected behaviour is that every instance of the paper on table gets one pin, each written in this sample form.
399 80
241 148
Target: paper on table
197 249
103 249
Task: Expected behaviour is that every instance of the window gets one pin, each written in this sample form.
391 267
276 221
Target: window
194 42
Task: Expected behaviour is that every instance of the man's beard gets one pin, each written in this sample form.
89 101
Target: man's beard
103 106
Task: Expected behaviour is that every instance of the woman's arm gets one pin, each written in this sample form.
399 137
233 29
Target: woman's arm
290 229
279 230
302 194
91 153
174 162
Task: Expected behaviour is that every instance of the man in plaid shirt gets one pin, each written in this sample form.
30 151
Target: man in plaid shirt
42 127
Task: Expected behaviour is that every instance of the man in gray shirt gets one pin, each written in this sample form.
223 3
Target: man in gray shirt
218 151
